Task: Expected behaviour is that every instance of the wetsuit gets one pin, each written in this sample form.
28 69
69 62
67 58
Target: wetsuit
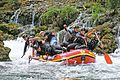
26 45
50 49
46 49
78 43
36 46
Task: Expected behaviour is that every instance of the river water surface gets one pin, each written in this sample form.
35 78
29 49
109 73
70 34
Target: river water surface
19 69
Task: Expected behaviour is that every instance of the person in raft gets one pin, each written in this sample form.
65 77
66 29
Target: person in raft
95 41
73 33
78 39
49 37
40 48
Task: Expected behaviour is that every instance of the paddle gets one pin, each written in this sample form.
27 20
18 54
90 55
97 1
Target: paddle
25 48
106 56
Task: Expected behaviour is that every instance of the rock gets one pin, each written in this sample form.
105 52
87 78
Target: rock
107 37
4 51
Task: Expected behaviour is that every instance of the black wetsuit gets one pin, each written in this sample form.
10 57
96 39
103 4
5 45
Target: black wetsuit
78 43
51 49
26 45
36 46
47 49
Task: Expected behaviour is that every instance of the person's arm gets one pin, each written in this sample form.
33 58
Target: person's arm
85 39
68 30
33 52
100 42
88 34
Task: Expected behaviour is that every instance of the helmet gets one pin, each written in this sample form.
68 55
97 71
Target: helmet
83 29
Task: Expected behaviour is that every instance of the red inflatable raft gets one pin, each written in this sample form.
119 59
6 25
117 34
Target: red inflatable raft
75 57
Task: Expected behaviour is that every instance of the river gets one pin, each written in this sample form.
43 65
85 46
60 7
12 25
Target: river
19 69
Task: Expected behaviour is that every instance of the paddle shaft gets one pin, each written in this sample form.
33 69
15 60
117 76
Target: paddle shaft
106 56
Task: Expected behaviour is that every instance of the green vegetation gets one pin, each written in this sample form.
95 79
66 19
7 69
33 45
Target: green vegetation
113 4
97 9
11 29
38 29
59 16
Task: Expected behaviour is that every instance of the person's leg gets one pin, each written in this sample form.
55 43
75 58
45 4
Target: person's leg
81 47
71 46
58 51
57 47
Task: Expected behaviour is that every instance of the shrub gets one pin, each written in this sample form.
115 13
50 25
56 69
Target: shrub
96 10
59 16
38 29
11 29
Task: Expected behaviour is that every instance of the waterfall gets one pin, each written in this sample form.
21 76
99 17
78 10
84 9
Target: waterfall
117 51
83 20
33 19
14 18
40 20
28 28
118 37
78 20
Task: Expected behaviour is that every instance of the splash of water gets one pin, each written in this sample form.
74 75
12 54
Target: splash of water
117 51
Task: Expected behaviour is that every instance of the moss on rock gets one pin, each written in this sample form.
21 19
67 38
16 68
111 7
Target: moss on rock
4 51
107 37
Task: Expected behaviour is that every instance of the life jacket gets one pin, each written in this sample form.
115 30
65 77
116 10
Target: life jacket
35 45
49 49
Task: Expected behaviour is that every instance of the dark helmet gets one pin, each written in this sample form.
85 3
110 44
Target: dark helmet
76 27
83 29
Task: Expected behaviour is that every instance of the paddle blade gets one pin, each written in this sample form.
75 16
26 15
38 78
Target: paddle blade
107 58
